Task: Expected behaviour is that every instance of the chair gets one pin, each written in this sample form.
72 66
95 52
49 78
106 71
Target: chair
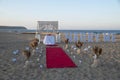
75 37
97 37
82 37
90 37
113 37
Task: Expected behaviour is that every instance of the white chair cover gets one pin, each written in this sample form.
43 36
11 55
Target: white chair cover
90 37
97 37
58 38
70 37
75 37
113 37
82 37
106 37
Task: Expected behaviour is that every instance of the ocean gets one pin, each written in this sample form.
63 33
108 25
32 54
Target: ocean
82 31
65 31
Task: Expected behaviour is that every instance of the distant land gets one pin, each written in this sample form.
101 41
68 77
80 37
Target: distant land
12 28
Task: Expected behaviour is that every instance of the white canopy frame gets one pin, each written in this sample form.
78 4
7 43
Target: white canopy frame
45 27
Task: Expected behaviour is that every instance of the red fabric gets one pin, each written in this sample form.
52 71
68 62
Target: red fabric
57 58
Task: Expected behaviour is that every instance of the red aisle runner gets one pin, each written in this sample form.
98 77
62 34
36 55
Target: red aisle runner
57 58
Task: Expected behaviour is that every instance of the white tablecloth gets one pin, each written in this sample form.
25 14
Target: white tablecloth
49 40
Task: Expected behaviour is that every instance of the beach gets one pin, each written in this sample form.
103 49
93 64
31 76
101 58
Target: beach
12 64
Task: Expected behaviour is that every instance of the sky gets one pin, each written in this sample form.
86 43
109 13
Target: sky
71 14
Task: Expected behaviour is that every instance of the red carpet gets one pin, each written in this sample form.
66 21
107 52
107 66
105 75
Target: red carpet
52 45
57 58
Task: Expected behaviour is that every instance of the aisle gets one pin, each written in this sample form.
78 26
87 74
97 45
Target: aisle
57 58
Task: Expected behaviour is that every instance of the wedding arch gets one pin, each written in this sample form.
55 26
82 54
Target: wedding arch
45 27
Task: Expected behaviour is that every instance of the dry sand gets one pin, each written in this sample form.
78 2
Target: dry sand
107 69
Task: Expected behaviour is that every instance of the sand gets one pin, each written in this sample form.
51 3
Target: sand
107 69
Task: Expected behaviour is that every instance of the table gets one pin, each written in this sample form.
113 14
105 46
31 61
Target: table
49 40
